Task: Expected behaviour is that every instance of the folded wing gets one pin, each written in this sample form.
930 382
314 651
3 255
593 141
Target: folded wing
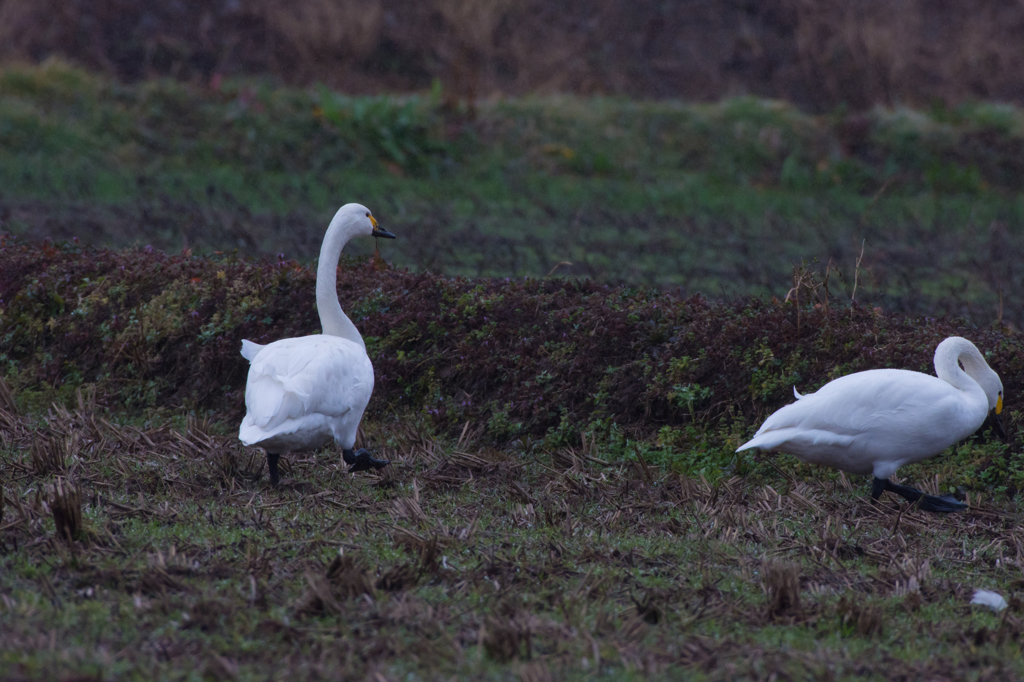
292 379
861 419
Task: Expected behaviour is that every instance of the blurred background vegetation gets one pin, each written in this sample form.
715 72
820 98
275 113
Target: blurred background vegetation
819 54
727 148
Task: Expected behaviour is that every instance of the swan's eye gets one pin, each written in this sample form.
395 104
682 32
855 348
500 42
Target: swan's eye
367 215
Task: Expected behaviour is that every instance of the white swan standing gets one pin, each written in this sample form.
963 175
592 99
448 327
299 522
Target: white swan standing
876 421
304 392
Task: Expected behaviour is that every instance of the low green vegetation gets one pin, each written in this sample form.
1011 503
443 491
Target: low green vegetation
722 199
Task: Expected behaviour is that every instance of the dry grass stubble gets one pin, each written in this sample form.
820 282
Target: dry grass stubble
463 560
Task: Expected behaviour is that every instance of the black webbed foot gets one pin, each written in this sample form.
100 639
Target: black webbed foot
362 460
940 505
945 504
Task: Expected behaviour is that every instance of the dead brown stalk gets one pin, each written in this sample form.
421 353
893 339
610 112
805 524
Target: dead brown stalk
7 399
782 581
806 279
65 502
50 455
856 276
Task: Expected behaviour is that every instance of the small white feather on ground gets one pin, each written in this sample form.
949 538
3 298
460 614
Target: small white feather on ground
988 598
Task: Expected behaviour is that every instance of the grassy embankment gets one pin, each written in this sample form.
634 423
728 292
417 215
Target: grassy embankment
722 199
564 498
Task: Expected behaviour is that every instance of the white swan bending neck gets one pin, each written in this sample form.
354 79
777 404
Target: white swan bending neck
956 351
876 421
333 319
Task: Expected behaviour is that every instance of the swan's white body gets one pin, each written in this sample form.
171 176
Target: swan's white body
304 392
876 421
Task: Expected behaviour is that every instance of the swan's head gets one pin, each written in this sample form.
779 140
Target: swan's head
977 368
361 221
987 379
993 387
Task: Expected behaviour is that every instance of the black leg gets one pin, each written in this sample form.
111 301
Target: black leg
930 503
877 488
362 460
272 458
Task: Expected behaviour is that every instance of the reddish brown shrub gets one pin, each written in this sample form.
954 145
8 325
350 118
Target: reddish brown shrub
521 355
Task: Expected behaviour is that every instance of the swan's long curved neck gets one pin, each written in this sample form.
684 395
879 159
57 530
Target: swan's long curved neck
333 319
948 357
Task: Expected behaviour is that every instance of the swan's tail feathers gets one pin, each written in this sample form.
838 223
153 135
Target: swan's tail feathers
796 439
746 446
250 349
249 433
269 403
795 392
270 416
766 441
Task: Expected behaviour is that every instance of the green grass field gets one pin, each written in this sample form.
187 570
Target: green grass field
722 199
564 501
